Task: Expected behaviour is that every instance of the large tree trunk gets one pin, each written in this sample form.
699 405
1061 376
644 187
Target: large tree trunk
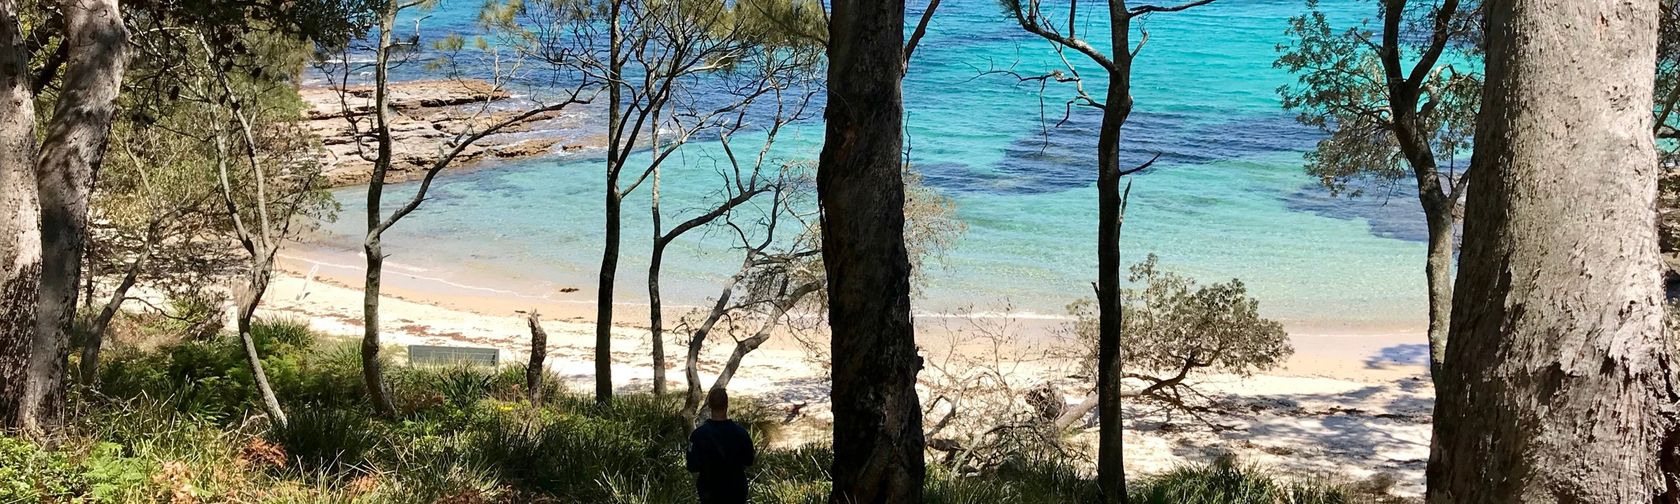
20 218
1111 469
71 151
373 375
878 439
1558 383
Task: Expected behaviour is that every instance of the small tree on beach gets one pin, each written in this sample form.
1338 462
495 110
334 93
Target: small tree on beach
1387 121
781 284
374 142
1175 328
1116 108
652 61
774 82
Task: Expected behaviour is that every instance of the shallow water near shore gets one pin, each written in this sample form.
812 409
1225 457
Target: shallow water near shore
1227 199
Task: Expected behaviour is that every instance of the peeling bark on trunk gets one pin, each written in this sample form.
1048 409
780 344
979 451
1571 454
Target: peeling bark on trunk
20 231
1559 382
539 350
1438 270
71 151
878 438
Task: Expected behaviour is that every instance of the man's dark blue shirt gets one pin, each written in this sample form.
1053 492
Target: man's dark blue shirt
719 451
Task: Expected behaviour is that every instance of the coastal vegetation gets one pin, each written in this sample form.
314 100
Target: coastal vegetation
146 212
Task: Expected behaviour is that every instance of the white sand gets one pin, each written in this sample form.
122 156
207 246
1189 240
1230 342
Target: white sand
1347 405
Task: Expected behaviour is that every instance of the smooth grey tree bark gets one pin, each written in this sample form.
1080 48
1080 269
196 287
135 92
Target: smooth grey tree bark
1559 382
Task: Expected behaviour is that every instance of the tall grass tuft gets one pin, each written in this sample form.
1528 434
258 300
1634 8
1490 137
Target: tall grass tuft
325 439
1225 481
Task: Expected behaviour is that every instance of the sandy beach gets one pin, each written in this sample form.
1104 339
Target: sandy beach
1351 405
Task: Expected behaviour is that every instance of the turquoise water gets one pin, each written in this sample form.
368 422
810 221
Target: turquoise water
1228 198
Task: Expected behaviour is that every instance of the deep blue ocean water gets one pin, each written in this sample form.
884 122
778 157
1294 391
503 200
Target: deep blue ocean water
1227 199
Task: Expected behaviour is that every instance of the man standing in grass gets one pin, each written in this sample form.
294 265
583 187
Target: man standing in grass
719 452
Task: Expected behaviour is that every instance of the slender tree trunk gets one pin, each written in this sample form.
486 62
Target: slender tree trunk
878 439
1117 108
20 218
1111 469
96 332
373 247
656 319
656 315
1559 382
604 300
539 351
248 301
746 346
609 249
71 151
691 368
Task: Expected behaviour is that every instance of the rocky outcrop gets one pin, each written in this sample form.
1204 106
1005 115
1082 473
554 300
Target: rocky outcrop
427 118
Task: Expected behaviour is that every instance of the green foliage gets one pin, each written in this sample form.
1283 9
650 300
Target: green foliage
1172 324
1030 478
212 378
326 439
1343 91
1226 482
159 444
463 386
30 474
570 455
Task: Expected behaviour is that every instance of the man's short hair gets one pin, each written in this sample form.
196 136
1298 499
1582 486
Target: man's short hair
718 399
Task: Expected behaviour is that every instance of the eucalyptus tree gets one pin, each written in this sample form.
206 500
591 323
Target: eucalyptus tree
82 47
672 71
264 197
878 437
1400 107
775 87
1559 379
374 141
1116 107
